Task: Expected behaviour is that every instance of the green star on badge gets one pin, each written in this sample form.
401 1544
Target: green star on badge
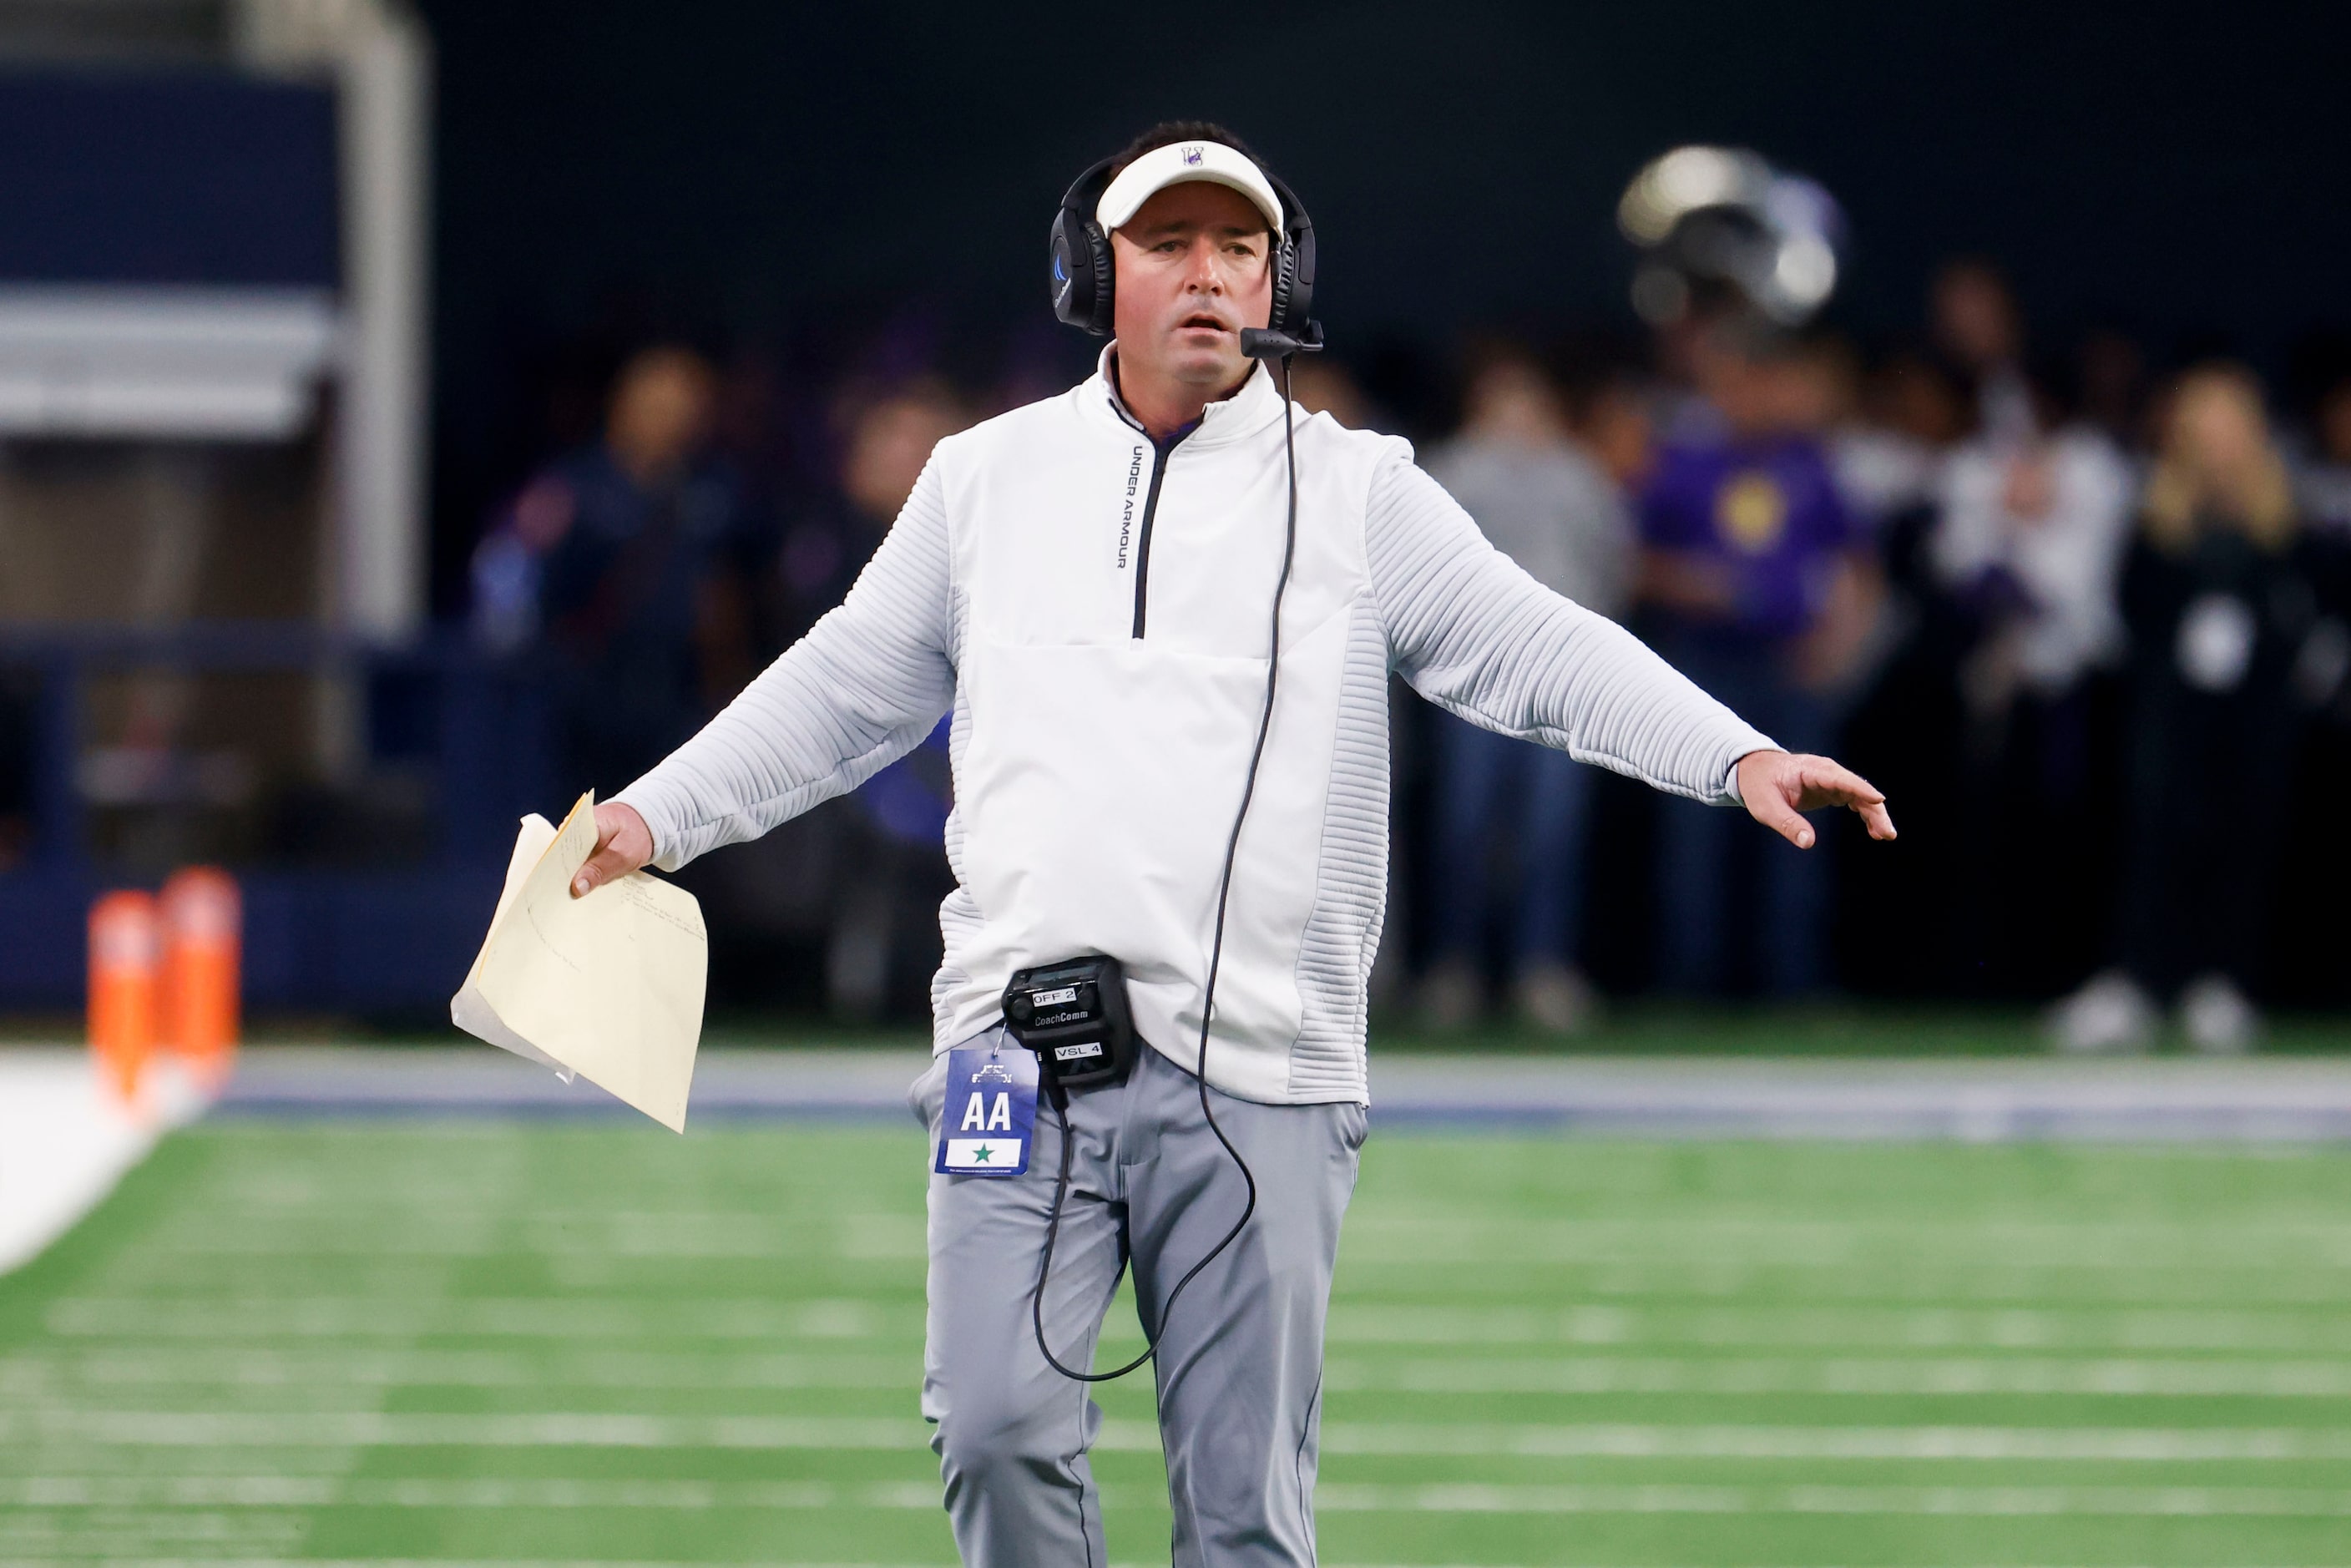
979 1156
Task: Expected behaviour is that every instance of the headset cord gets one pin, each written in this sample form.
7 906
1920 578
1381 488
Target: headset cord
1060 1096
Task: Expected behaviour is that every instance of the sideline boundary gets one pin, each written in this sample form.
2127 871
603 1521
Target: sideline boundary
65 1142
2263 1100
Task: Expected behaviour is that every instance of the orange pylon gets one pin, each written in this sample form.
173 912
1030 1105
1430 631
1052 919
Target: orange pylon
125 960
203 927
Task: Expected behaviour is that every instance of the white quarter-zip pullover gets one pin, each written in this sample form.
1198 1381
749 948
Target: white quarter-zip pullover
1092 607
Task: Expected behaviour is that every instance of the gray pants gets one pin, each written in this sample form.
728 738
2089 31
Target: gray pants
1240 1359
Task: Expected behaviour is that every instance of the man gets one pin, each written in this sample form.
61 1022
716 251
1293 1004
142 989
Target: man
881 942
623 562
1762 591
1973 316
1086 583
1547 506
2028 544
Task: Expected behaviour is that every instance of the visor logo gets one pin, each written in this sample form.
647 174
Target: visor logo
1192 157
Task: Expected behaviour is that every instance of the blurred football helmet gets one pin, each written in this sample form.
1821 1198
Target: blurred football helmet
1711 220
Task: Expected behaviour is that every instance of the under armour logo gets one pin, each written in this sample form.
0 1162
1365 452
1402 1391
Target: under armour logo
1192 156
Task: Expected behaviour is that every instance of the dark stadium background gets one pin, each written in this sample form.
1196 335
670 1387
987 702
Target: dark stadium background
739 167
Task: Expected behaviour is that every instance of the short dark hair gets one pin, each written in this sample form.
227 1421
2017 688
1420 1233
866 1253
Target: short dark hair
1167 132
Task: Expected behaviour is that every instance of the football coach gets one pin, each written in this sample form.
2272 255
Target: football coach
1163 608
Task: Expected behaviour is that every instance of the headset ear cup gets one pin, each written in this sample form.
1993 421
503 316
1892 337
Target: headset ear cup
1296 301
1285 272
1081 277
1105 280
1072 277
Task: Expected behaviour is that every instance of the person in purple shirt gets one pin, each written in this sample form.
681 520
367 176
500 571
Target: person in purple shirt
1757 580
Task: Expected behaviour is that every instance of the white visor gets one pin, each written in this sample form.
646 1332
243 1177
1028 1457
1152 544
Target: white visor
1173 165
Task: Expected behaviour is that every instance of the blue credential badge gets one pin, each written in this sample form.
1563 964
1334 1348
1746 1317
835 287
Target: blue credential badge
990 1106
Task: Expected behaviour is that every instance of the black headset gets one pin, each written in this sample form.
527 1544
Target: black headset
1083 281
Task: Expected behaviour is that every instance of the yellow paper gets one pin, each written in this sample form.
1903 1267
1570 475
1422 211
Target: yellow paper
469 1009
609 986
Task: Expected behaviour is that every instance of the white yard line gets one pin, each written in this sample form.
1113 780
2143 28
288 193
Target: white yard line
29 1376
27 1373
2034 1376
2289 1330
65 1142
1693 1248
368 1428
2293 1330
113 1560
1996 1502
523 1317
125 1560
690 1496
2130 1444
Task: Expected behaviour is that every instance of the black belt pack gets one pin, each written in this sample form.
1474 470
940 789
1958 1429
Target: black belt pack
1073 1015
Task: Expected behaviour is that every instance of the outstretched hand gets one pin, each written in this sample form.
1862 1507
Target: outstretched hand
623 844
1778 785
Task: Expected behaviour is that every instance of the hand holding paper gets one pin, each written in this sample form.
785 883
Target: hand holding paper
623 844
608 985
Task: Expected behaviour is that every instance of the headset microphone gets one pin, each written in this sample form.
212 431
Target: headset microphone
1265 343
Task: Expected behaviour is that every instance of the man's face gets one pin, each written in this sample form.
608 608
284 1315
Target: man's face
1731 378
887 448
660 411
1974 318
1193 267
2335 423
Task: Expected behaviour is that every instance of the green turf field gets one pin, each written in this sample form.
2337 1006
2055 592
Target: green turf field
372 1341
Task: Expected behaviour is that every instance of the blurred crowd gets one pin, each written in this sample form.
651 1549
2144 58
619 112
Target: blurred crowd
2083 611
